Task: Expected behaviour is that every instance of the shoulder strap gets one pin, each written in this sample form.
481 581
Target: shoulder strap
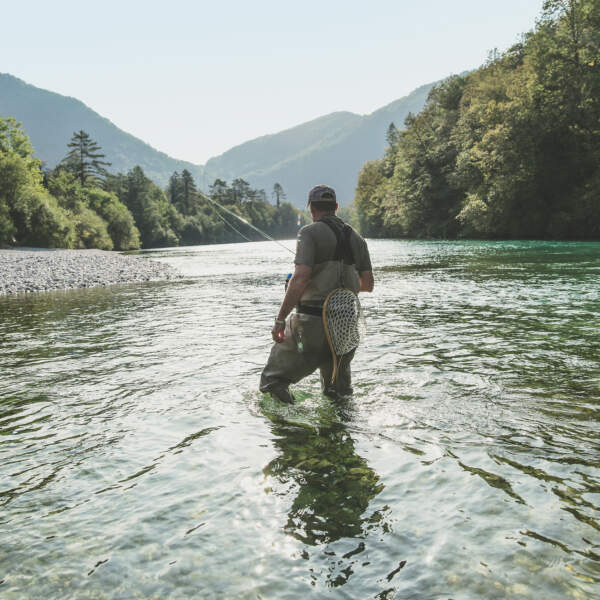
343 249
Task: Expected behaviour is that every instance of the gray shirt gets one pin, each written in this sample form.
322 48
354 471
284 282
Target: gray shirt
316 249
316 244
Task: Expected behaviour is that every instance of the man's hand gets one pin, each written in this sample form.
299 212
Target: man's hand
296 287
277 331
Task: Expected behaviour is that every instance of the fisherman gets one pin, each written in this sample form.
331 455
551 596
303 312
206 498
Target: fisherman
329 255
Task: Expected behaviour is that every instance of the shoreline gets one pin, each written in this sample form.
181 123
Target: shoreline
27 270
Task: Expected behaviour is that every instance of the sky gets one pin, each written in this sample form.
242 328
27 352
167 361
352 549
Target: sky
195 78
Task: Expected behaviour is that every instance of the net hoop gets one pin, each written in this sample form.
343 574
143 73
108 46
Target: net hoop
352 326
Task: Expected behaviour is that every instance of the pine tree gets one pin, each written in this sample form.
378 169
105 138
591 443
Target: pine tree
278 194
241 191
85 158
188 192
174 190
392 136
220 191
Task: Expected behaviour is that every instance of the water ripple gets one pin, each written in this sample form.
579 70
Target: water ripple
133 440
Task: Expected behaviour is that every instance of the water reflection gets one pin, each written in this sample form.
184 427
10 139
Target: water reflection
477 405
332 486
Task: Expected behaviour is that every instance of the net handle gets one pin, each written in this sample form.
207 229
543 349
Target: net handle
324 317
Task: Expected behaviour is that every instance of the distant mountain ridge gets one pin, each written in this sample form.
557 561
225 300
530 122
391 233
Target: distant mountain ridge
330 149
334 150
49 119
267 152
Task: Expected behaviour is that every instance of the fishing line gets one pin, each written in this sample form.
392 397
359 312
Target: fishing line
229 212
231 226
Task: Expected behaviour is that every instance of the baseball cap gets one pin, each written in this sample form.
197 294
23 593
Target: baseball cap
322 193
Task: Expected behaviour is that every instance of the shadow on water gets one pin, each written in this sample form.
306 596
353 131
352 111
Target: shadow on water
332 488
468 467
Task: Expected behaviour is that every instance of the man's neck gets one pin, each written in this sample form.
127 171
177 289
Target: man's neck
320 216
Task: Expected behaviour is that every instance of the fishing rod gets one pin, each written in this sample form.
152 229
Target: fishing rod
230 212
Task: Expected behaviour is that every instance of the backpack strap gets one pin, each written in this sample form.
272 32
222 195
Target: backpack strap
343 249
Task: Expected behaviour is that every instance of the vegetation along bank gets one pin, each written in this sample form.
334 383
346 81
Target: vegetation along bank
79 204
511 150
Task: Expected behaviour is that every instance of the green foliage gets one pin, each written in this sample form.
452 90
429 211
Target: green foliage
85 159
7 227
18 166
278 193
349 215
368 200
286 221
14 141
14 174
92 231
250 204
156 219
116 221
512 150
182 192
42 222
204 223
67 190
120 224
73 212
28 213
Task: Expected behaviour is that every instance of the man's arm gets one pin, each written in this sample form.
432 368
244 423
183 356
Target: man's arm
296 287
367 283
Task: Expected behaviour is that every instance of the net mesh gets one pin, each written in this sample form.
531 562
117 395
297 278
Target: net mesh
344 321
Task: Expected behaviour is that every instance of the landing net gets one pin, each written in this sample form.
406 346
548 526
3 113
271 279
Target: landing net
344 324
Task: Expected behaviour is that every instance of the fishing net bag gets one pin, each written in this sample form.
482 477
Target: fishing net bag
344 324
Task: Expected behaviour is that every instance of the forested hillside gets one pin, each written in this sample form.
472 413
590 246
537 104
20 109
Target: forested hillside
330 149
80 205
511 150
49 119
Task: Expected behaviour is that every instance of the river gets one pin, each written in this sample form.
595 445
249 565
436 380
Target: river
138 460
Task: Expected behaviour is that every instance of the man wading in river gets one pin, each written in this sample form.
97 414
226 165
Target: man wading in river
329 255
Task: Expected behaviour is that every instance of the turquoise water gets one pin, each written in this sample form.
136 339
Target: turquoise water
137 459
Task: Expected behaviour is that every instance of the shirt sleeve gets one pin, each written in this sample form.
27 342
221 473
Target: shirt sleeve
305 248
364 260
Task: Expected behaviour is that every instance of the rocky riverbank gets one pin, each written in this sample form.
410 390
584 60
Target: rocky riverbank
33 270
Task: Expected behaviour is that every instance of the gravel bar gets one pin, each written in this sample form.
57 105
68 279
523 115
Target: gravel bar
36 270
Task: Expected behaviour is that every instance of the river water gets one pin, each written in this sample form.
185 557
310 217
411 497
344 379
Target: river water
137 459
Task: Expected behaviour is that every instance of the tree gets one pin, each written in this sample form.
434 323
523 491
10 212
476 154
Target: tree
28 213
241 190
392 135
174 189
219 191
188 193
120 224
278 194
287 221
85 159
509 151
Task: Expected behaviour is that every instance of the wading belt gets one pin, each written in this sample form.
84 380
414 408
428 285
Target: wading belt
343 251
307 309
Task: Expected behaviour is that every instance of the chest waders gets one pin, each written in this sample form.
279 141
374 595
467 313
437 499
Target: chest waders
341 311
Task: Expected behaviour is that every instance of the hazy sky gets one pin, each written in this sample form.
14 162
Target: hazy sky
196 78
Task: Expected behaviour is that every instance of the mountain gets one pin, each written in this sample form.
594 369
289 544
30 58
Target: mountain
330 149
49 119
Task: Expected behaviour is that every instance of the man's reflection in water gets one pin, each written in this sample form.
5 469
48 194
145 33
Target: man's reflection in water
334 488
